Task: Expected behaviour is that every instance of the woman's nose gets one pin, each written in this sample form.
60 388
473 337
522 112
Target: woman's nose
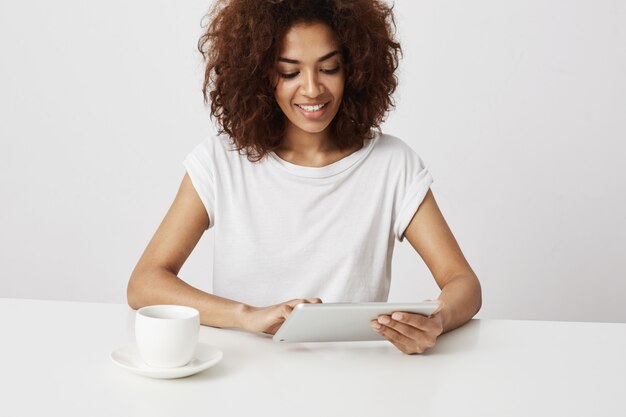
311 86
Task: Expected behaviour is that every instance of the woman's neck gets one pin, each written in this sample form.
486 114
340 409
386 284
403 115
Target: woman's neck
310 149
307 143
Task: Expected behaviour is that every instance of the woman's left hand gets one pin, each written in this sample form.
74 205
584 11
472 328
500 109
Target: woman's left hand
409 332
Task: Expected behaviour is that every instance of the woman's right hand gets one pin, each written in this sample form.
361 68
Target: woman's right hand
269 319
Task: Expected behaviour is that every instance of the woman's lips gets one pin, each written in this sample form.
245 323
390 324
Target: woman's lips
313 115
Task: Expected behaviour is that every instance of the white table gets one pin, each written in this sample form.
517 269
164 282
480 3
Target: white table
55 361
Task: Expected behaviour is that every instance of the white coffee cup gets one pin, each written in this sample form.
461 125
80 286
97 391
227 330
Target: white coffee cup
167 335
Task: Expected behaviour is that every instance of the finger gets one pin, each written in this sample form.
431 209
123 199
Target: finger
378 328
284 311
414 320
399 340
273 329
409 331
399 346
313 300
416 338
295 302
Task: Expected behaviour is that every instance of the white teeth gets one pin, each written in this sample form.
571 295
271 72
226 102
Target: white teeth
311 108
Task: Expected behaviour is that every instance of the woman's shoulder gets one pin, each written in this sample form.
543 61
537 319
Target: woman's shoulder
216 145
392 145
215 140
210 154
394 152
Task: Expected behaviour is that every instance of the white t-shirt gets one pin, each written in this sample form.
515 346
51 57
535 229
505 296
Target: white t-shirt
285 231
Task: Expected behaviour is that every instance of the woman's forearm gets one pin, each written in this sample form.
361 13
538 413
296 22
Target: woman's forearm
462 299
160 286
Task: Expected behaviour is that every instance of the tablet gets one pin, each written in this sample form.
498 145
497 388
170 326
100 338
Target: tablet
341 322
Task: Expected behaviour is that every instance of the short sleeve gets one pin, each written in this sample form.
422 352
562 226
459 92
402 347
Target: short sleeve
414 181
200 165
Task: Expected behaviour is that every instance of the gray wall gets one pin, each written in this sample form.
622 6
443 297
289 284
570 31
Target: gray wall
517 107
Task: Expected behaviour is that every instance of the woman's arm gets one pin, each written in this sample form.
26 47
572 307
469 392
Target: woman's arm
462 299
154 280
433 240
460 295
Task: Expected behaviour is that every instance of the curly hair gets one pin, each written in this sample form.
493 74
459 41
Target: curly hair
241 45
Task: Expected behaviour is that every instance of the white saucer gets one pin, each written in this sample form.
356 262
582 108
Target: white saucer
128 358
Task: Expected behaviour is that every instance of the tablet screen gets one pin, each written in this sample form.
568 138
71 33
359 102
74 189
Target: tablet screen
340 322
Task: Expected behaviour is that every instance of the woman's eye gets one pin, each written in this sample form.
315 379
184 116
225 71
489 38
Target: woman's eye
294 74
331 71
289 75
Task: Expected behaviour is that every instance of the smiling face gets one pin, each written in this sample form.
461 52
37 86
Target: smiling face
310 78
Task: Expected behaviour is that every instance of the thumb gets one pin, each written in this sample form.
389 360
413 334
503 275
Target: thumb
293 303
285 311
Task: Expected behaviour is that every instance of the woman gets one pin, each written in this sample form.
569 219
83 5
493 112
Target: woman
305 196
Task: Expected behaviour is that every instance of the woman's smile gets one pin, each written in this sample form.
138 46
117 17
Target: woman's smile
313 112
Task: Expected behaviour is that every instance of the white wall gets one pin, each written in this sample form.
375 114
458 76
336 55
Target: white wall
517 107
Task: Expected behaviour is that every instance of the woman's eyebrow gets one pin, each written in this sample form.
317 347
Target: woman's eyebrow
295 61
